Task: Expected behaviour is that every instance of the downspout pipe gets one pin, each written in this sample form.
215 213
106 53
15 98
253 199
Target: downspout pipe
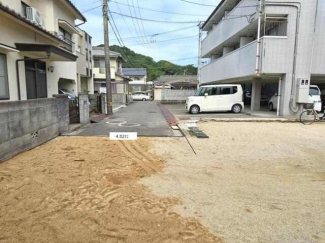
258 51
292 107
279 96
17 70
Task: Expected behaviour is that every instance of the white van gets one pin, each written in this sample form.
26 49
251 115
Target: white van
223 97
314 98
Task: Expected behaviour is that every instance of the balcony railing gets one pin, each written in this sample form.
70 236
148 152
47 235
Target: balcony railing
239 63
238 19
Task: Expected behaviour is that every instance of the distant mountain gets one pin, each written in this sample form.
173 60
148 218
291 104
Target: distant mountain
155 69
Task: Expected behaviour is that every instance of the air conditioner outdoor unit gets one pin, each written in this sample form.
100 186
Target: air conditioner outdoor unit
34 16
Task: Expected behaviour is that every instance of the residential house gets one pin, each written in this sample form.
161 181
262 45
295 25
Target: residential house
119 82
175 88
38 48
85 63
282 44
138 76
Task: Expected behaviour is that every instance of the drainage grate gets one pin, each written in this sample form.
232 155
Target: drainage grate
198 133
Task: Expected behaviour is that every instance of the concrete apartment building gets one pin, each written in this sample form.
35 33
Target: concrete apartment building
138 76
45 32
288 51
120 83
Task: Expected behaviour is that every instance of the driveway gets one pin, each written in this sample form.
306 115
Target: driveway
143 117
178 110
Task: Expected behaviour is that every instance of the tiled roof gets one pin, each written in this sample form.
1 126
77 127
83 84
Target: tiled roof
134 71
77 10
99 52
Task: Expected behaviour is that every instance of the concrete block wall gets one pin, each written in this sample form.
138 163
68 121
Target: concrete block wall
27 124
170 95
119 98
84 108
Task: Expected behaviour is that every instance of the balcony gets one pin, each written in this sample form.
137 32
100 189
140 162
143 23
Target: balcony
276 58
239 63
230 26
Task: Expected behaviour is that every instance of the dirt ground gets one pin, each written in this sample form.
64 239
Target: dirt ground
250 182
88 190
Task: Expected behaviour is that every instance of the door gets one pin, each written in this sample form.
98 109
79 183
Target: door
225 98
209 99
36 84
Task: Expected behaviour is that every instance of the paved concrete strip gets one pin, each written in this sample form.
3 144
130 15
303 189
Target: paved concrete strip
98 118
168 115
248 120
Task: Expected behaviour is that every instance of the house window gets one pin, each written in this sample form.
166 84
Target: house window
275 26
4 86
66 37
87 54
24 7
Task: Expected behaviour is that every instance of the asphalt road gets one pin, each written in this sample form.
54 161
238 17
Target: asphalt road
143 117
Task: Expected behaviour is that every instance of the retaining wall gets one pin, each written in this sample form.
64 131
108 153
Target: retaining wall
28 124
173 96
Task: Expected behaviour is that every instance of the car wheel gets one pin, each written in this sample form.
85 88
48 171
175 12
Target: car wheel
236 108
271 108
143 99
194 109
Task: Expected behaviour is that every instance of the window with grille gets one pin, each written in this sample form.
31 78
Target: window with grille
275 26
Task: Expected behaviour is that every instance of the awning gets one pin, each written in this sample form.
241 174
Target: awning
41 50
6 48
68 27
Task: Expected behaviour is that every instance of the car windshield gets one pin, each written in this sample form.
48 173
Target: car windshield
313 91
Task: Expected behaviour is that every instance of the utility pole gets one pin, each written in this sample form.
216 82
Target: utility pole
199 56
107 60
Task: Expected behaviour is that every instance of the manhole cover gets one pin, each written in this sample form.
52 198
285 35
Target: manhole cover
129 125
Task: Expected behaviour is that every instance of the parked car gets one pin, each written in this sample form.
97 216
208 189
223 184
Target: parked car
314 97
70 94
141 96
224 97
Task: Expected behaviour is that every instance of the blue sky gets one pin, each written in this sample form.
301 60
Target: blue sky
152 45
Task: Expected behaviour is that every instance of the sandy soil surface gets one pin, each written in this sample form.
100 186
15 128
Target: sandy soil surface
250 182
88 190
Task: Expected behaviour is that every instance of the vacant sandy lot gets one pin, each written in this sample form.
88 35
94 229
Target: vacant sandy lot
87 190
250 182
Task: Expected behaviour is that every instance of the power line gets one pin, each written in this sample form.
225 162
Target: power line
135 28
158 21
119 36
181 38
162 33
201 4
144 32
166 12
131 32
88 10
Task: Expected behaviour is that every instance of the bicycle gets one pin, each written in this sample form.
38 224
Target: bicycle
310 115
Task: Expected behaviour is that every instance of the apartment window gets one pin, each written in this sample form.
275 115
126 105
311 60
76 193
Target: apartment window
90 55
24 7
87 54
4 86
275 26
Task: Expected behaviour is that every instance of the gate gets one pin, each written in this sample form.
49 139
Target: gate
74 113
